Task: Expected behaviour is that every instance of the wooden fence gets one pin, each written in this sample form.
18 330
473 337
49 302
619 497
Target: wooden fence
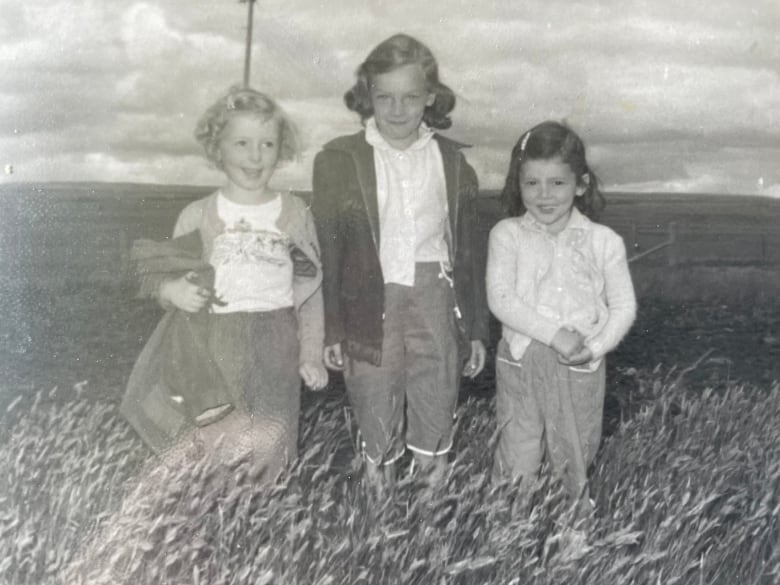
676 244
695 239
51 240
670 245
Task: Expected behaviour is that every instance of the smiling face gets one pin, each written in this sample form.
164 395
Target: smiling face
248 152
399 98
548 188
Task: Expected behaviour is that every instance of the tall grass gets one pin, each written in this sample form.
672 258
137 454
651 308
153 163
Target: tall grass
686 492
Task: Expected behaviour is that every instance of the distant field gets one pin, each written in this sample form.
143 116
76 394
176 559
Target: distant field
60 233
55 234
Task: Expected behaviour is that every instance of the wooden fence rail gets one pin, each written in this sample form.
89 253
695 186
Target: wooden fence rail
674 245
670 244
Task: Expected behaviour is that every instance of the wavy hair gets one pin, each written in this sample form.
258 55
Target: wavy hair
241 100
389 55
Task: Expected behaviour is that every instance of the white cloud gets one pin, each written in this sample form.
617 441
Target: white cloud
660 91
772 191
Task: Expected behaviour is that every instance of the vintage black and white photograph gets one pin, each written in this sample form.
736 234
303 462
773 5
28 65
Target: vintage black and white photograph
370 292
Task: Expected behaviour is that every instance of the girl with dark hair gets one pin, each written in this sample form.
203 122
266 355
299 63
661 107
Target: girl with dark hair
559 283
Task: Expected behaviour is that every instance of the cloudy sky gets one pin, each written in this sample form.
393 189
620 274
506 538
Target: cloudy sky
669 95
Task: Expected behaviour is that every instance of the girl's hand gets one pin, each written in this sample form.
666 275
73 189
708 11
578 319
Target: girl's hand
580 358
314 375
183 294
333 357
568 343
477 359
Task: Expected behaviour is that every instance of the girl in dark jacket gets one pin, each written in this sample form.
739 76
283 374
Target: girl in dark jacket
402 285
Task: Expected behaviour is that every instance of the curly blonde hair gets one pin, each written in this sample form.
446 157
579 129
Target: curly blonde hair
245 100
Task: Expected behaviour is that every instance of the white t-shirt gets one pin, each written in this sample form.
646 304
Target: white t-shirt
252 266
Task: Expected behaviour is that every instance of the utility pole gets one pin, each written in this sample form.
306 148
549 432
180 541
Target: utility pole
248 51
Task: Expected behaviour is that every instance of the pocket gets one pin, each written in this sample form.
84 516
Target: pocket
503 354
581 369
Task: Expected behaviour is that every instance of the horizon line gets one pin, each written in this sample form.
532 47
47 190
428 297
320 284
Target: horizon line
492 191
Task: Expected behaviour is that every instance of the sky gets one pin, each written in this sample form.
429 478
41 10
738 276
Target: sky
668 95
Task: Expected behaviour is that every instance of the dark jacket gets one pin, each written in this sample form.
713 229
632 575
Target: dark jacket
346 214
175 381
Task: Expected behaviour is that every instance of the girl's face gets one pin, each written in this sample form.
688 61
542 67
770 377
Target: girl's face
399 98
249 150
548 188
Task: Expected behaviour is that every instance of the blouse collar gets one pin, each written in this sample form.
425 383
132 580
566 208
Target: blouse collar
375 138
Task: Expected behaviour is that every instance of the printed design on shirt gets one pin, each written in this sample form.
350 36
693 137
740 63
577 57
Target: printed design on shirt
240 244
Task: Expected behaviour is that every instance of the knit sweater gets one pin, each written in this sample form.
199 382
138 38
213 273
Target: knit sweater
520 255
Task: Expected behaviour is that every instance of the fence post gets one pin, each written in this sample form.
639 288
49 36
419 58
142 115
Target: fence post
124 256
764 259
673 251
634 236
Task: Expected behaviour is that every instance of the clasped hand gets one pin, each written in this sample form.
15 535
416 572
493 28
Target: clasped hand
571 348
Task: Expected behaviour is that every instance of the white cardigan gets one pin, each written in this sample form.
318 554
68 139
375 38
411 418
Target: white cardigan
519 254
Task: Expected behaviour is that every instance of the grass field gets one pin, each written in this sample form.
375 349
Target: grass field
687 482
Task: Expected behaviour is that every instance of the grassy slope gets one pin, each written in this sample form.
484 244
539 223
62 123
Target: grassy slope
687 493
687 481
686 484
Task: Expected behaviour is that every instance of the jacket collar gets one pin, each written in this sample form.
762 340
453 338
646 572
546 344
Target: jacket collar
357 141
362 153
